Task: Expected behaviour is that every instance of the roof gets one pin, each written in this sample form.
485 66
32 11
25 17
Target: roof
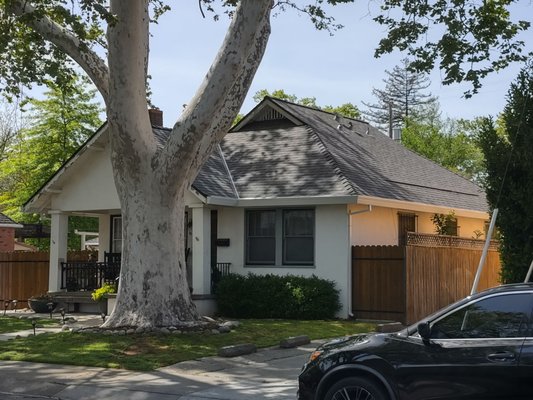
282 150
287 150
6 222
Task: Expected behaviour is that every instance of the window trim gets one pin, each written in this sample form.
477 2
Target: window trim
284 236
247 238
279 239
112 239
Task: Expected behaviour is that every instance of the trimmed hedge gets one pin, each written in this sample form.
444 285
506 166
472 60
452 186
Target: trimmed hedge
274 296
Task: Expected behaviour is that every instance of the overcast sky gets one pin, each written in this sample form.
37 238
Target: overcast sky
302 61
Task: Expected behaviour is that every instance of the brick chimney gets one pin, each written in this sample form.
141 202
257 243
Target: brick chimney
156 116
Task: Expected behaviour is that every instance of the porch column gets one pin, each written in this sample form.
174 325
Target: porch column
201 250
58 248
104 235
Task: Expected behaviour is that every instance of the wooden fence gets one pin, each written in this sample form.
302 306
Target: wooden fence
406 283
25 274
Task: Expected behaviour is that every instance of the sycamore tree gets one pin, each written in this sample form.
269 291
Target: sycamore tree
110 40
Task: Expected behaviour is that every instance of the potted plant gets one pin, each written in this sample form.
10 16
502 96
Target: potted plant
100 295
42 304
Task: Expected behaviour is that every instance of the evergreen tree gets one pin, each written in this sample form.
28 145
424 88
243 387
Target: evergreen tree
404 92
508 148
56 127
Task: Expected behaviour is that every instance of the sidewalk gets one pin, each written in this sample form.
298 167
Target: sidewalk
268 374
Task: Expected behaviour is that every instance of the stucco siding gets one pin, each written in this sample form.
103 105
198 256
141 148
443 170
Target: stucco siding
332 249
380 226
91 189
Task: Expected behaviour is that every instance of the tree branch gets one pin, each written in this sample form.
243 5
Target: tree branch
211 112
87 59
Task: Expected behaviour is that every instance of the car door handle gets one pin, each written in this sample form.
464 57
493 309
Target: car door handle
503 356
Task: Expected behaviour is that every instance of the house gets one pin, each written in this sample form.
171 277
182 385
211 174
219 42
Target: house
288 191
7 233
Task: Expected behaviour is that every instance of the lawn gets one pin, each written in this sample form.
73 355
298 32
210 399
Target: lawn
14 324
148 352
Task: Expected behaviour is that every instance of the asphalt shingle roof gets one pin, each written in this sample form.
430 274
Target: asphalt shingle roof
377 166
276 158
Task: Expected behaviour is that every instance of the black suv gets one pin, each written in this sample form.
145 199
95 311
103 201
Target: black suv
478 348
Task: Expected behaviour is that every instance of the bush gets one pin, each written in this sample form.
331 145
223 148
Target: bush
273 296
99 294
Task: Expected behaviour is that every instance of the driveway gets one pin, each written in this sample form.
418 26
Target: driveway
267 374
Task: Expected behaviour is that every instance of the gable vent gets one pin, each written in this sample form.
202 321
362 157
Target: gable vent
269 114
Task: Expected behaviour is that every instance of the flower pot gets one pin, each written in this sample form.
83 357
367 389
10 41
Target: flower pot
41 305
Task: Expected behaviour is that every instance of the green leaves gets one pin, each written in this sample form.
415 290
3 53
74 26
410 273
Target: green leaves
507 145
477 37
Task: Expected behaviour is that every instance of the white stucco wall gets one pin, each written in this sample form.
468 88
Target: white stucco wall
92 188
380 226
332 249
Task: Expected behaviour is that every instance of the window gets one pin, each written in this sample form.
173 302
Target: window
298 237
116 234
261 237
280 237
505 316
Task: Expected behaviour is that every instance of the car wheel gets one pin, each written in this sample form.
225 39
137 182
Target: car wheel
355 389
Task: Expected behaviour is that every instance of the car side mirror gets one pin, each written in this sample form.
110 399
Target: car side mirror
424 330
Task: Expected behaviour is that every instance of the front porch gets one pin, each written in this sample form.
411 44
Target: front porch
73 280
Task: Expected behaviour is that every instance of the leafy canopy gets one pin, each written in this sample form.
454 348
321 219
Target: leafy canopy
478 37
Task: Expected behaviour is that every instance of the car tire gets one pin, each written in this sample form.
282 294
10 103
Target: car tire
355 388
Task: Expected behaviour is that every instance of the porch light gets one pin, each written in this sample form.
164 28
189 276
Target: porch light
50 308
6 305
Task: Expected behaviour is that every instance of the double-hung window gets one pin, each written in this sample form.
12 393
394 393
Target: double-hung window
280 237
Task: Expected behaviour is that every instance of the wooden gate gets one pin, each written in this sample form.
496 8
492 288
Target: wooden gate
406 283
378 282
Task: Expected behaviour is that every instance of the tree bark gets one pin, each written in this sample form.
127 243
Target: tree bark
152 182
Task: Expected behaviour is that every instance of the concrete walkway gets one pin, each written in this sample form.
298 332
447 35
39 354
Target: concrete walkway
268 374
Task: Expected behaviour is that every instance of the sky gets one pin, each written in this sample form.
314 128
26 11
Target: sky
303 61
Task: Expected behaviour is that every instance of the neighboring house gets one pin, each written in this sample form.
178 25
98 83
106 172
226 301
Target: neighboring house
289 190
7 233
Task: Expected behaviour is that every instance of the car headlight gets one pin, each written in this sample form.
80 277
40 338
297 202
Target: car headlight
314 355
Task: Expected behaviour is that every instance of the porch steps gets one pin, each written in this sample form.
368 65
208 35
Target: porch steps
73 300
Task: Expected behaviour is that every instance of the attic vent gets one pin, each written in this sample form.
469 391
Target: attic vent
269 114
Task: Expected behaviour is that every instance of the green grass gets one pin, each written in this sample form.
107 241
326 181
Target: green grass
14 324
148 352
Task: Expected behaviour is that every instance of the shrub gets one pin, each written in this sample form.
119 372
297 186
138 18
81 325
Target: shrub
273 296
106 288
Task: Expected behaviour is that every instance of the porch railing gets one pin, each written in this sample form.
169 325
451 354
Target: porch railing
218 271
87 276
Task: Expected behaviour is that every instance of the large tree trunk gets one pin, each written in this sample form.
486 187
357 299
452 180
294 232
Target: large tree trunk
153 282
152 181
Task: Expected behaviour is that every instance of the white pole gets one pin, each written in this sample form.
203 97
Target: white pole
529 272
485 251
